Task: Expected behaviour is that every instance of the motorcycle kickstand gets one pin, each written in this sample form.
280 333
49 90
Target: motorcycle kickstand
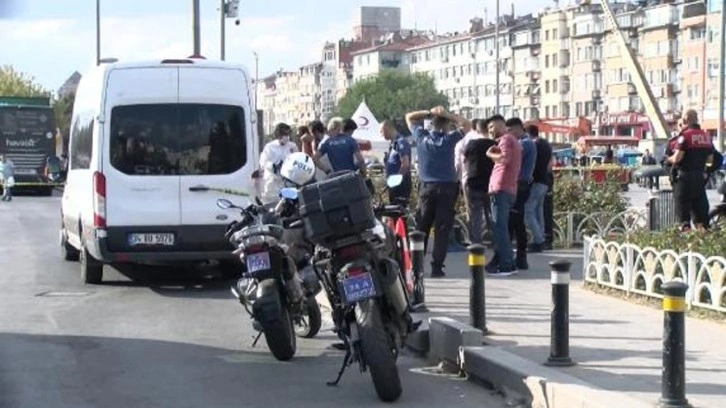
257 338
346 363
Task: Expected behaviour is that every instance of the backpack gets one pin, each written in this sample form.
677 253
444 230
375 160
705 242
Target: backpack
478 165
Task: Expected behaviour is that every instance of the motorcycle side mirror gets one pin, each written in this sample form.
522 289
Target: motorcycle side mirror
288 193
225 204
394 180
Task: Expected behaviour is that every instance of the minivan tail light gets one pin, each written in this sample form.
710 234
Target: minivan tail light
99 200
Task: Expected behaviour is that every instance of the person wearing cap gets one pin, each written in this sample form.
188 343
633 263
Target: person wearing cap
273 154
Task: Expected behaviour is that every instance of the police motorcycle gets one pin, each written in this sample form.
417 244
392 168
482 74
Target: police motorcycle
355 263
280 300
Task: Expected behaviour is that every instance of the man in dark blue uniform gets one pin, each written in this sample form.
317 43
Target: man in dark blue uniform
398 161
438 180
693 149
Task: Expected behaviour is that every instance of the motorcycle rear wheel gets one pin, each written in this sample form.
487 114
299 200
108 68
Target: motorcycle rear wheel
378 351
280 335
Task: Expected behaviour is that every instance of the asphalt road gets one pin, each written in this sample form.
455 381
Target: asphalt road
169 338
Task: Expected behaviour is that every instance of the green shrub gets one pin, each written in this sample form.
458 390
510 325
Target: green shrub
571 194
708 243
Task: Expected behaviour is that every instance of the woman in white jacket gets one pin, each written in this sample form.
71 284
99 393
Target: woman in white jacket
274 153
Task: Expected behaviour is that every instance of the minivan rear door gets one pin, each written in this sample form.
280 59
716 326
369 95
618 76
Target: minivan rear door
140 158
216 144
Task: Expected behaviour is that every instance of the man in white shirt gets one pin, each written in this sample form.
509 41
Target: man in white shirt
274 153
459 150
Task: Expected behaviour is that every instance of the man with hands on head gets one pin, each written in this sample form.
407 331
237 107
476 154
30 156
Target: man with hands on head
438 179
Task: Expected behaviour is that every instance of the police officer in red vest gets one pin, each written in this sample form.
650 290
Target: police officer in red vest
692 150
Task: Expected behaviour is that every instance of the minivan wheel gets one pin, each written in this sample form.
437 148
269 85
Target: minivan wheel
91 269
68 251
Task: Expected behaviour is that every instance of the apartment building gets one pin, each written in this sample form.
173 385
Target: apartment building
713 35
266 97
587 32
464 68
524 40
392 54
309 103
694 57
555 68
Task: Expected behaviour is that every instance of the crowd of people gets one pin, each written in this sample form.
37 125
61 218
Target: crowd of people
502 167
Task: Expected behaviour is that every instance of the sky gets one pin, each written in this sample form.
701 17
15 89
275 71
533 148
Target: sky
49 39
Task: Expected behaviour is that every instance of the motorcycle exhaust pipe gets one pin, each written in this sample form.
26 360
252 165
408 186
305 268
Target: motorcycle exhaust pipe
391 285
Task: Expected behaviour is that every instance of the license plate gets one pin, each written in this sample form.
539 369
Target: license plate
151 239
358 288
26 171
258 262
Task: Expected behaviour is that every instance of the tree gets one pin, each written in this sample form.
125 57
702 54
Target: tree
14 83
392 94
63 109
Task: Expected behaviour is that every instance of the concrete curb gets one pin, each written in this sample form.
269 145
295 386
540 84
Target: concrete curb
521 380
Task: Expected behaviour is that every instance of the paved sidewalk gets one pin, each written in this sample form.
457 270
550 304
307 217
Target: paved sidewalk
617 344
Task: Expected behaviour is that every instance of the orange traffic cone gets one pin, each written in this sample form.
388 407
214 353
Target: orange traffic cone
401 232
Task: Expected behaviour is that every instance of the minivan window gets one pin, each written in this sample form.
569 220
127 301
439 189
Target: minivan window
81 142
178 139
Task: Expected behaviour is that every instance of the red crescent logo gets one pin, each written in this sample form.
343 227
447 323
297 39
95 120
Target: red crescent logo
364 121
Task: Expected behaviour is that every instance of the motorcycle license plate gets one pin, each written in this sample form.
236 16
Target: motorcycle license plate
358 288
258 262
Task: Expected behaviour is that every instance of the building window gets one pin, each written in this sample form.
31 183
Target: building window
547 61
554 86
697 33
554 34
547 86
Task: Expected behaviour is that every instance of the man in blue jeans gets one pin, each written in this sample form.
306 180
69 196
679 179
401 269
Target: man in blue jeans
507 158
534 208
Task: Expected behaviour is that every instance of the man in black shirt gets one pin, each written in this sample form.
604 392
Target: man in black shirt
534 207
478 172
693 149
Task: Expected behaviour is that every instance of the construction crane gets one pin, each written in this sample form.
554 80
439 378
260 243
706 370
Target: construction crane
637 76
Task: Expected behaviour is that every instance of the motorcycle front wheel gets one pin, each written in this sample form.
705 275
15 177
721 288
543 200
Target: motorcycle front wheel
378 351
308 324
717 218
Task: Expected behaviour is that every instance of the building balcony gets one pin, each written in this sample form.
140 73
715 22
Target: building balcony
534 76
534 100
596 65
596 94
564 58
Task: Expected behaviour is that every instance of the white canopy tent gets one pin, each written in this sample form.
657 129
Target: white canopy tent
368 125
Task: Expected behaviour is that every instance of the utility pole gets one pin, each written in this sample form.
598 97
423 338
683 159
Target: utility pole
721 80
257 75
223 34
98 32
196 28
496 63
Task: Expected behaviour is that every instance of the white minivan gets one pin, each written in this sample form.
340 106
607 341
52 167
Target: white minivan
152 147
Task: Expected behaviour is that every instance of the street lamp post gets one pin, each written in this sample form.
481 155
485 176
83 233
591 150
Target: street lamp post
257 75
496 56
721 80
227 9
196 28
223 34
98 32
